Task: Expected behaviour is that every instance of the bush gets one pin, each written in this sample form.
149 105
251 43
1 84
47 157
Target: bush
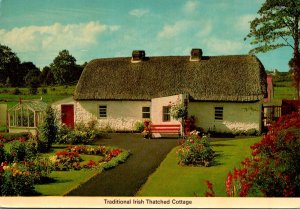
139 126
15 181
195 151
48 131
2 153
274 168
80 135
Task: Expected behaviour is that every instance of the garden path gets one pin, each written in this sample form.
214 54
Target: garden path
127 178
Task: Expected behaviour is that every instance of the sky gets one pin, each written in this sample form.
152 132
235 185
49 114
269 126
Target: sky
36 30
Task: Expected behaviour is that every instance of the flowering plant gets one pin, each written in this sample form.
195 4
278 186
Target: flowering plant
66 160
195 151
274 167
178 110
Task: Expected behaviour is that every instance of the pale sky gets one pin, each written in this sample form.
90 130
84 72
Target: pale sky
38 29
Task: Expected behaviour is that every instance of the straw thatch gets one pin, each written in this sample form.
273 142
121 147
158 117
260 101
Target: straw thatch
216 78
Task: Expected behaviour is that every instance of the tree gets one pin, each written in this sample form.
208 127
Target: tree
47 77
49 130
9 66
64 68
278 26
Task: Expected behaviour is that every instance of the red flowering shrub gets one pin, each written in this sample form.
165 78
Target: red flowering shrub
274 168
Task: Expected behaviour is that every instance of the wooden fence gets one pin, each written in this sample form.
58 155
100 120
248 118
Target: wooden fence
272 113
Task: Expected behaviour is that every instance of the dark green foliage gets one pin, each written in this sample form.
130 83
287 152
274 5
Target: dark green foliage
7 137
278 26
64 68
13 184
48 131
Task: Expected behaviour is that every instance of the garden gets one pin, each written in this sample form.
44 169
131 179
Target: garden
266 166
55 162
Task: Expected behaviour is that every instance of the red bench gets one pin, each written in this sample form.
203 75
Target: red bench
163 129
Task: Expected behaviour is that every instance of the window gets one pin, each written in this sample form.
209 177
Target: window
218 113
102 111
146 112
166 113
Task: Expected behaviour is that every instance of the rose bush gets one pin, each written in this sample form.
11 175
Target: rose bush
195 150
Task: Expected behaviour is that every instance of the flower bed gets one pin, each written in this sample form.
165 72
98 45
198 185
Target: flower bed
22 166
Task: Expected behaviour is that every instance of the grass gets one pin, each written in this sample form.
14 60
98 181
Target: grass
54 93
170 179
65 181
283 90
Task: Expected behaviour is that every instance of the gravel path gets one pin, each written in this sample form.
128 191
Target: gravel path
127 178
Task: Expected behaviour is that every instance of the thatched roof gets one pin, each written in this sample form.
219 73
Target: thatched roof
215 78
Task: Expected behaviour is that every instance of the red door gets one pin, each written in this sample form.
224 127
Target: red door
67 115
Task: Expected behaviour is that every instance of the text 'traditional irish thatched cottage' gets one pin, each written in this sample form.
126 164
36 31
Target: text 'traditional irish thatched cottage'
225 93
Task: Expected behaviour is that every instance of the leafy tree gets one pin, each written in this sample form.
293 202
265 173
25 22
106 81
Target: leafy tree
64 68
276 27
49 130
47 77
9 66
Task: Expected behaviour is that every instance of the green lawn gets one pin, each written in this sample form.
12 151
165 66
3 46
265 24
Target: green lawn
170 179
65 181
283 90
54 93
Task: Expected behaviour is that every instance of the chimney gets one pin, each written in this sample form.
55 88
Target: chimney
196 54
138 56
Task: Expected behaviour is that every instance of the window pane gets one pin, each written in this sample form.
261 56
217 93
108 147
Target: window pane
146 112
31 119
218 113
166 113
102 111
25 118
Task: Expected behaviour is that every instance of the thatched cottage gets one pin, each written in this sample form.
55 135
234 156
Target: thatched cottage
224 93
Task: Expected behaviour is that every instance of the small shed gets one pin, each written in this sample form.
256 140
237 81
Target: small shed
26 116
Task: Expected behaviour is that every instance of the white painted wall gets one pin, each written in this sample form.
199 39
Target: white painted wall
236 116
157 108
121 115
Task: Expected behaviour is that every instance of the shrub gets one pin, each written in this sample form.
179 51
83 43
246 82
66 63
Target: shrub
274 168
80 135
2 153
15 180
195 151
48 131
39 168
139 126
18 151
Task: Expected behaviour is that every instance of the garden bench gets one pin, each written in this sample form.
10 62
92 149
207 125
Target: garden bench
164 129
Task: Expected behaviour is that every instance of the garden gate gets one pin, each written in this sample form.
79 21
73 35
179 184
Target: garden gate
272 113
